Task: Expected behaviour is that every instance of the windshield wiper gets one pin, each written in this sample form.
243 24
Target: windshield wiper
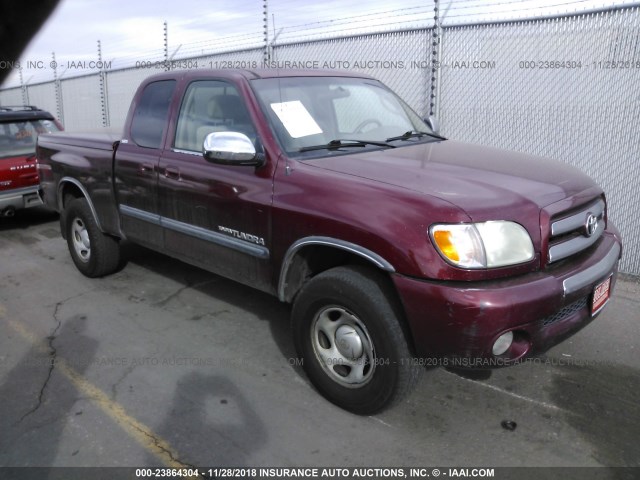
335 144
412 134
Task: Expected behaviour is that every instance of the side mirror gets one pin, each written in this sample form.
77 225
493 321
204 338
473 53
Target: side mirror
433 123
230 148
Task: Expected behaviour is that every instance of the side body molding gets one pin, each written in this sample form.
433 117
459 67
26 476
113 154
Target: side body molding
365 253
197 232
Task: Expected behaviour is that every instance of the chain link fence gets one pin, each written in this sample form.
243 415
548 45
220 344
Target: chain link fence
399 59
566 87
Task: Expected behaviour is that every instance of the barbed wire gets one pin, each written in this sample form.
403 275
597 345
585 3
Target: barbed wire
378 18
543 7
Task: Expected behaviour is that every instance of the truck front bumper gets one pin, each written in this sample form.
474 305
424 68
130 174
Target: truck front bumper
461 322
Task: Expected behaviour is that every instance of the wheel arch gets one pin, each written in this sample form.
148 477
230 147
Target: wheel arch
69 186
302 261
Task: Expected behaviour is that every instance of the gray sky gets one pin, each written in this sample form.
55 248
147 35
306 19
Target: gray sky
132 31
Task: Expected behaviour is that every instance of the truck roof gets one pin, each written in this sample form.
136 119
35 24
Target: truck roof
255 73
291 72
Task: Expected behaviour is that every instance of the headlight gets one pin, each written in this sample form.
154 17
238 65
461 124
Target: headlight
483 245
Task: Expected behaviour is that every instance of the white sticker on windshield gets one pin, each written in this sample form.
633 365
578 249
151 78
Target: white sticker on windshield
296 119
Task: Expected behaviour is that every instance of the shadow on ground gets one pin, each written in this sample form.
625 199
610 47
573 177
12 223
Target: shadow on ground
28 217
211 420
604 406
36 401
262 305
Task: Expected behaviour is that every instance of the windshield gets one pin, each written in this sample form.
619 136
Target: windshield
315 116
18 137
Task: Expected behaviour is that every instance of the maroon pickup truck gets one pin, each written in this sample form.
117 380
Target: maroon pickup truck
396 247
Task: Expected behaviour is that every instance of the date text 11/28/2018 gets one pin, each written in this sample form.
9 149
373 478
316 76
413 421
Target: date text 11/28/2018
300 473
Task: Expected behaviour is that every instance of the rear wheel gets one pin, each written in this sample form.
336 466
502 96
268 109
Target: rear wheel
94 253
347 330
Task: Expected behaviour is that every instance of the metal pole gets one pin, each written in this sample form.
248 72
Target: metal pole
265 18
439 39
103 89
166 46
58 89
435 61
23 88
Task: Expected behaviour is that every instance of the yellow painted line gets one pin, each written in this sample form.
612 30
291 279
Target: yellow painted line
137 430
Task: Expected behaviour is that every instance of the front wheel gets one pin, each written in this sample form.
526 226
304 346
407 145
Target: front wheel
94 253
347 330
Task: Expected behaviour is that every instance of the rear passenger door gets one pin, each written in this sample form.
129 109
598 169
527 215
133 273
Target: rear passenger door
216 216
136 165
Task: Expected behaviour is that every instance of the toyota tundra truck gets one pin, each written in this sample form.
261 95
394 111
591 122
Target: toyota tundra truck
395 246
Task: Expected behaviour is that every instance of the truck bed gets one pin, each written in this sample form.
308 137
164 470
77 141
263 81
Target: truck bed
87 158
101 139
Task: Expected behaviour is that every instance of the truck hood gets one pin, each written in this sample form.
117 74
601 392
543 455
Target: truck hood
480 180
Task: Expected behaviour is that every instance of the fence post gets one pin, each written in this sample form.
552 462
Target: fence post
436 41
58 89
103 89
266 56
166 46
23 89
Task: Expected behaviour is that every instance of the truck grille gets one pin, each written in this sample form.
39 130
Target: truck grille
576 231
565 312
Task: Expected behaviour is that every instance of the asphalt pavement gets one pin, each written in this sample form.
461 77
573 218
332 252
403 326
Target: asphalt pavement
165 364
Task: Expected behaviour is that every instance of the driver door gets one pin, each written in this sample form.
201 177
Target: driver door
215 216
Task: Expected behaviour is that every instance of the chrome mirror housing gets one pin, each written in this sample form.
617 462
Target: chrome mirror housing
230 148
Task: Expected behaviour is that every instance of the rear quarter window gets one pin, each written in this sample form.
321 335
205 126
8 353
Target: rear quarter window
151 115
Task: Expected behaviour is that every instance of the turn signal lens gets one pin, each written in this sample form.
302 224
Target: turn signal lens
460 244
445 244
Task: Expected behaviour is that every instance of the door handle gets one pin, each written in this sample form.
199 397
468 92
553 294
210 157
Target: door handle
146 168
172 172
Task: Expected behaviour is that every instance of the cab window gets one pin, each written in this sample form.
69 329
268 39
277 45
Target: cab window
210 106
151 115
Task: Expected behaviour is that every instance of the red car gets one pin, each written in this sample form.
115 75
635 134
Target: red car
19 129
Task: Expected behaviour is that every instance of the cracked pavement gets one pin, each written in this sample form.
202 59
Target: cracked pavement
52 361
163 363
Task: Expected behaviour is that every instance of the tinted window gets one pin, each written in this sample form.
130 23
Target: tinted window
19 137
210 106
151 115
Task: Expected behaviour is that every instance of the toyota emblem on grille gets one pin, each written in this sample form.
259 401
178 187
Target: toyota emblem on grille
591 225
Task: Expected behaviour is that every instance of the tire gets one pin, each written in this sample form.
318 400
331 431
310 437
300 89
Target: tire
94 253
347 331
